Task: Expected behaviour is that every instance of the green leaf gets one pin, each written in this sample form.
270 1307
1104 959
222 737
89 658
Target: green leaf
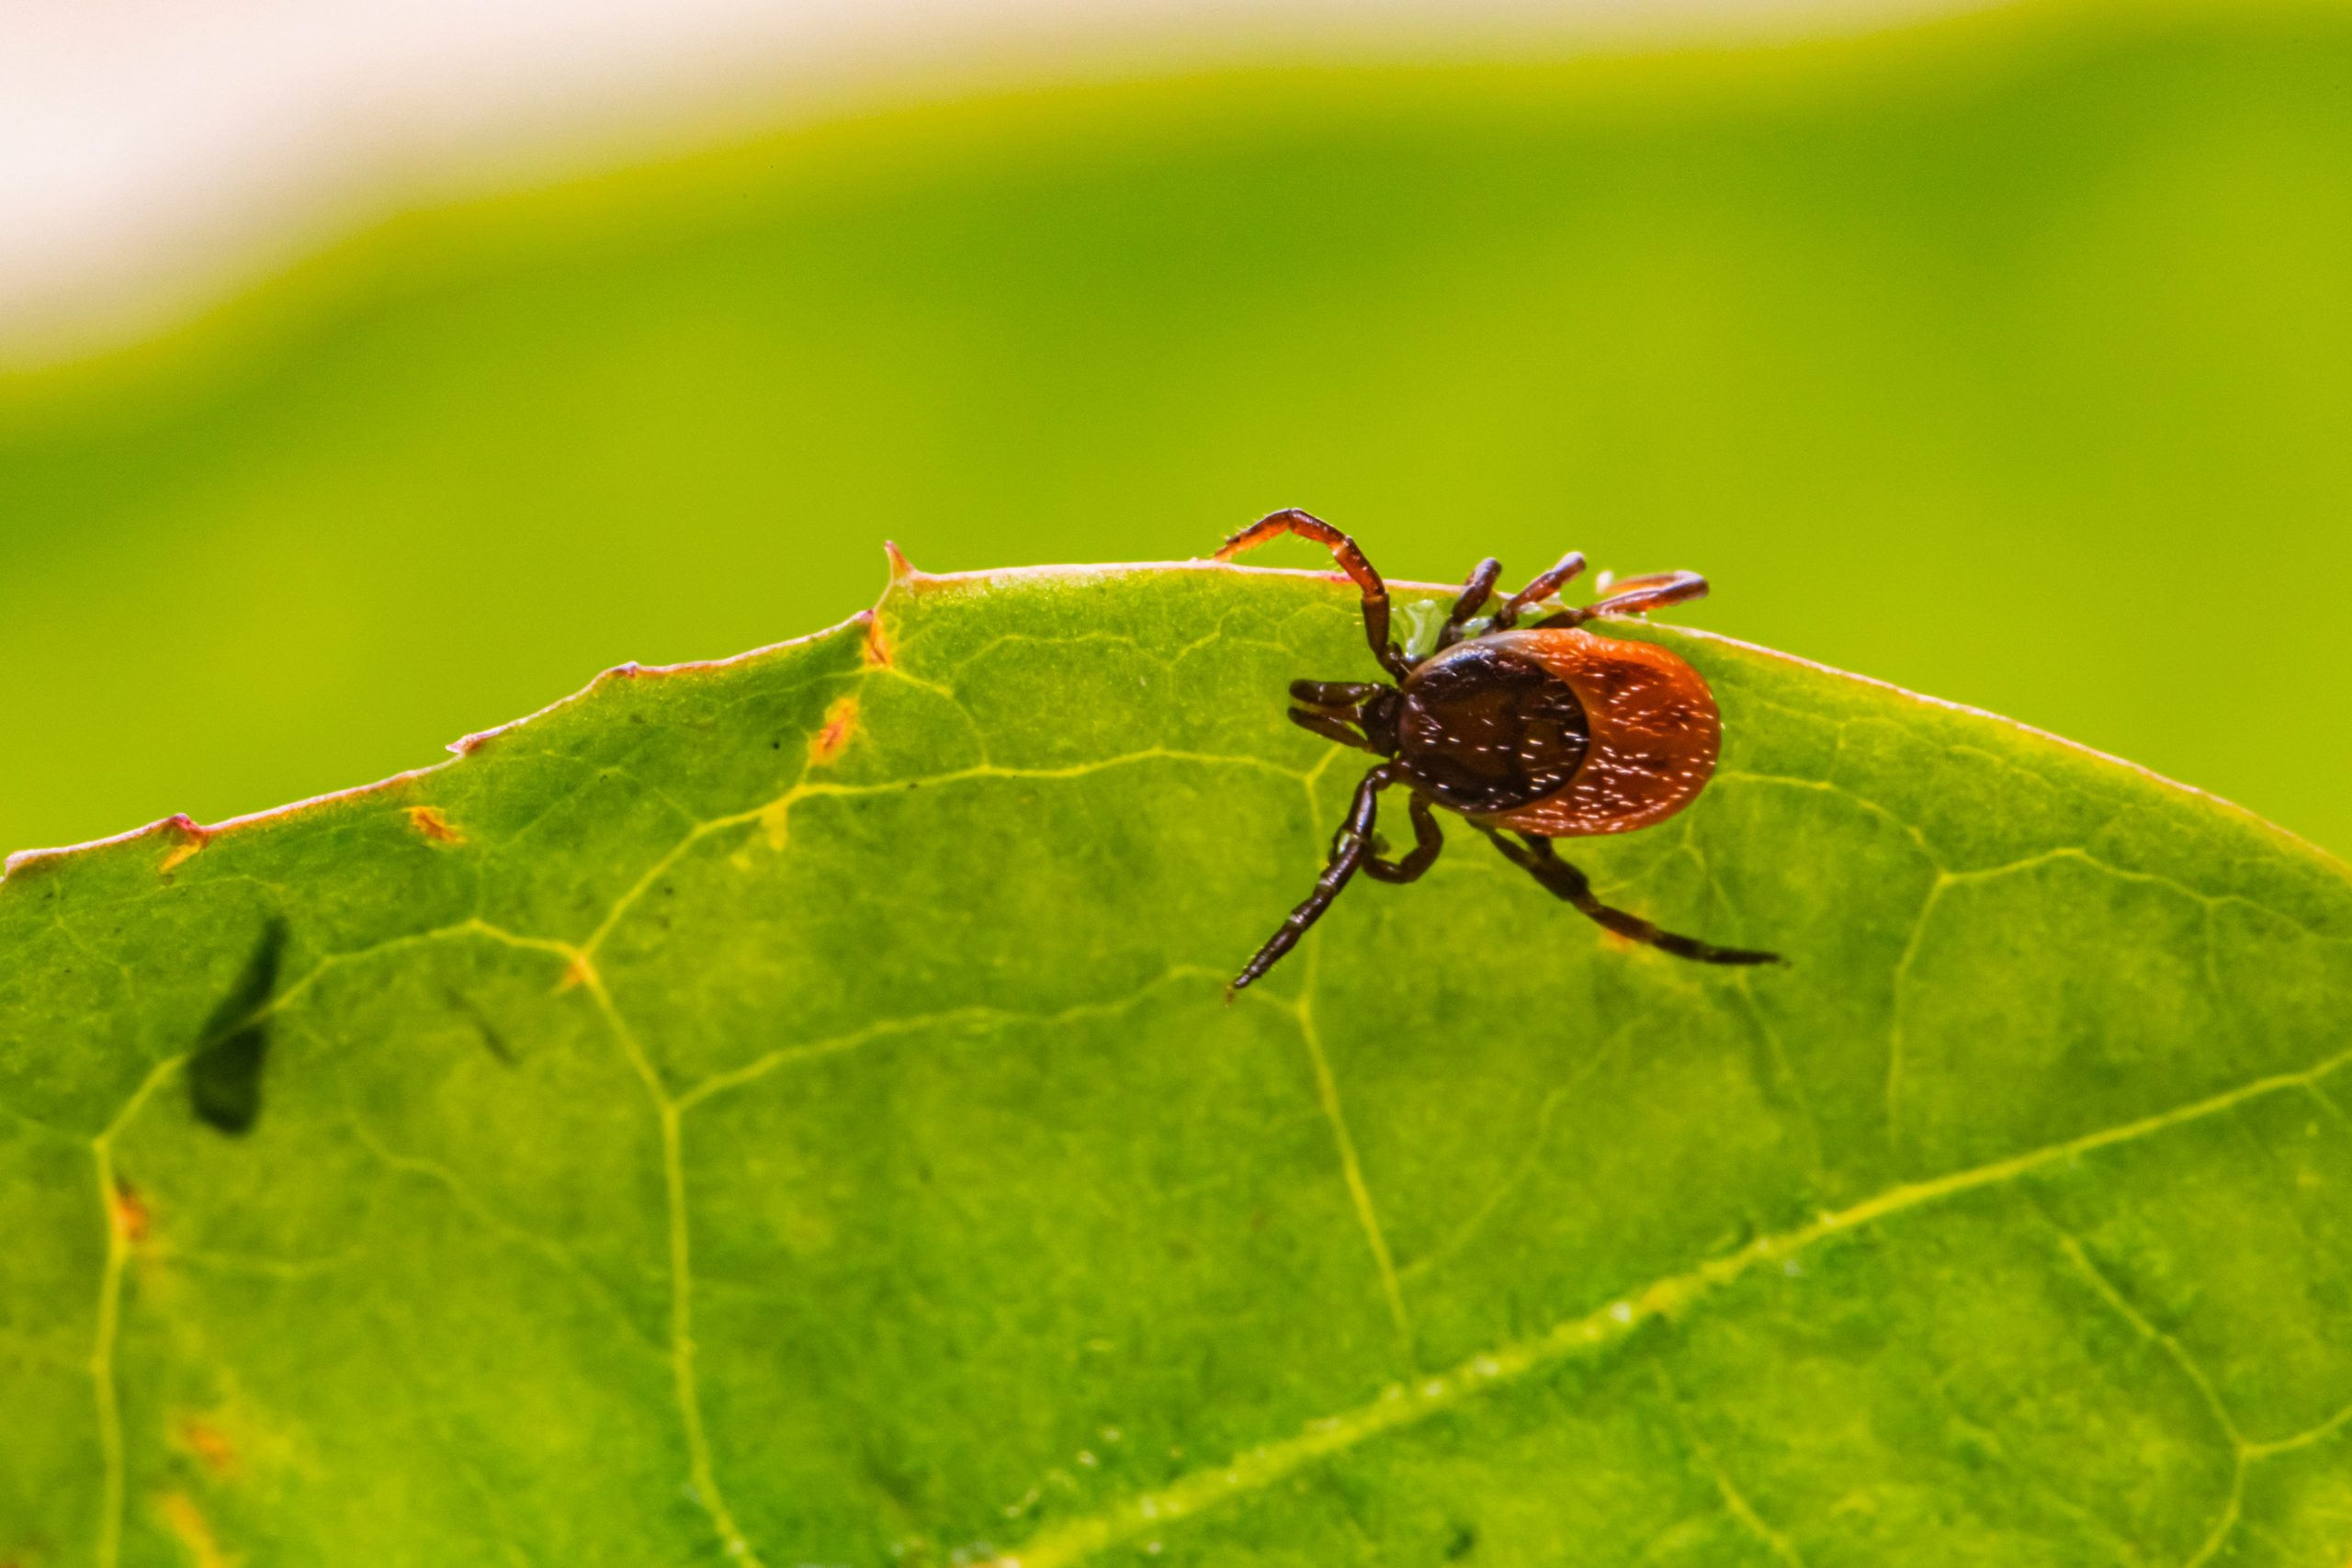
785 1109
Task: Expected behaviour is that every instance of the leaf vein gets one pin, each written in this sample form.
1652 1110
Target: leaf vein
681 1331
107 1398
484 1214
883 1029
1735 1501
775 812
1400 1408
1326 1089
2113 1295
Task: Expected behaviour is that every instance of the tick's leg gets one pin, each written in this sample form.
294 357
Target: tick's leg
1347 852
1535 592
1344 550
1474 592
1334 693
1330 726
1636 595
1427 841
1536 856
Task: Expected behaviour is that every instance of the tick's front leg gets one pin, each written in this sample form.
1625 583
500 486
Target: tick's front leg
1428 839
1350 559
1347 852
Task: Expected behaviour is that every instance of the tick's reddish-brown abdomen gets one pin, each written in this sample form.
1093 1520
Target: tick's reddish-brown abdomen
1655 733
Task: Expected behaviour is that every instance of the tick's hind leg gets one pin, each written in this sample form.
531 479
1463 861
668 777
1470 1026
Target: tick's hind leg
1349 853
1349 556
1537 857
1635 596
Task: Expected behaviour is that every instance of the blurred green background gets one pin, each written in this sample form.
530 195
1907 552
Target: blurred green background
2007 358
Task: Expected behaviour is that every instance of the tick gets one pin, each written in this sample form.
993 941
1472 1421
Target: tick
1529 733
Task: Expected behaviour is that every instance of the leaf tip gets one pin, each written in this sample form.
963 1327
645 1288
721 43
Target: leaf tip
901 569
188 836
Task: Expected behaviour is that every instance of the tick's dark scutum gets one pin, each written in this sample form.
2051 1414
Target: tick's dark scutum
1487 732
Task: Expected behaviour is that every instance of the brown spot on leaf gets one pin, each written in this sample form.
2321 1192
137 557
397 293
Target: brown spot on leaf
841 723
576 973
207 1443
429 820
129 1214
194 1531
878 644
